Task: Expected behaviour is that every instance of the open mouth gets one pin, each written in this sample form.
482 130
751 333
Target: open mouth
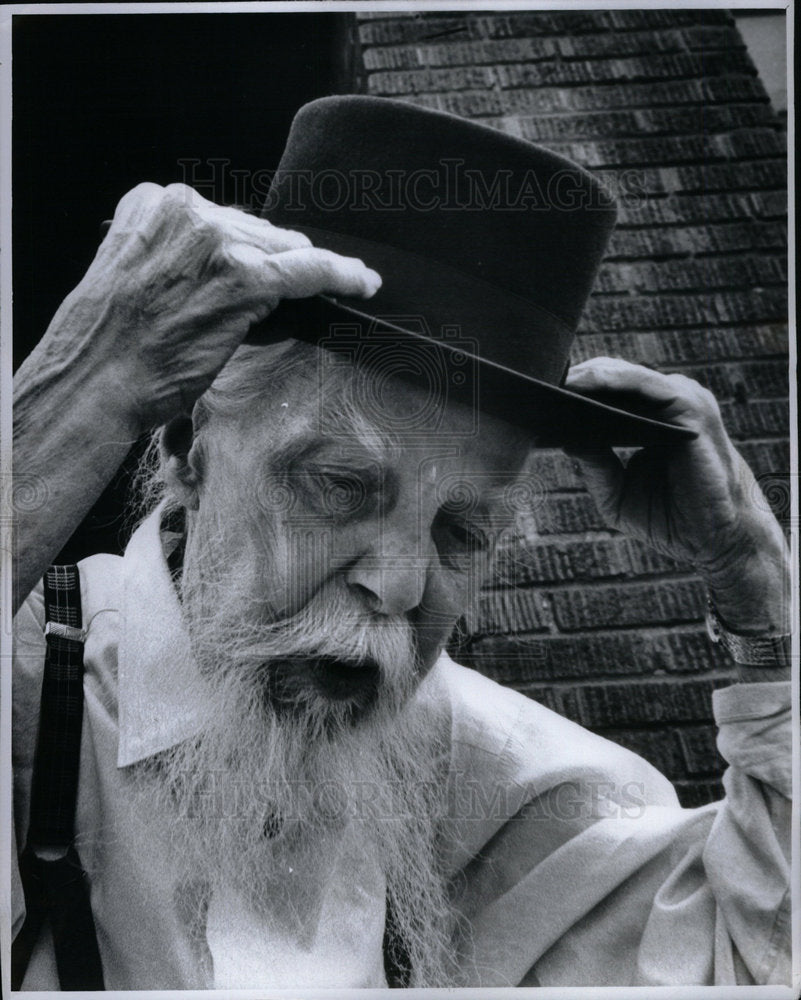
336 679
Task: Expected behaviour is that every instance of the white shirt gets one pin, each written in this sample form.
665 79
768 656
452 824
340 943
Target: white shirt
603 879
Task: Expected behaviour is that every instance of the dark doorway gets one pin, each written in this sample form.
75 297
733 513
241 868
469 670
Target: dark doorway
102 102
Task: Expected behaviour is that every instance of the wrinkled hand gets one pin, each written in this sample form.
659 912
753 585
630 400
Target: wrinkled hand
174 288
696 501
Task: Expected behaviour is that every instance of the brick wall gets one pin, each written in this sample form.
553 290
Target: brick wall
667 108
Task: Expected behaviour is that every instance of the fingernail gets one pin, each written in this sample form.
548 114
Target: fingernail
373 281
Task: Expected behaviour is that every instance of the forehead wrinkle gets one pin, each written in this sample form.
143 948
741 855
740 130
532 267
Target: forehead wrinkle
351 427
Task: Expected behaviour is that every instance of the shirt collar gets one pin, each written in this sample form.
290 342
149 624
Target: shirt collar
162 697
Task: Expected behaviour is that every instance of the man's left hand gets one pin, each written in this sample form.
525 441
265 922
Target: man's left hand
696 501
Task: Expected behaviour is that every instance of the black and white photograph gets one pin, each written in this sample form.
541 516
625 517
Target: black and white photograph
399 490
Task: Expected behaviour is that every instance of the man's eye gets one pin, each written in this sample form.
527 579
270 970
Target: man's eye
457 538
340 493
467 535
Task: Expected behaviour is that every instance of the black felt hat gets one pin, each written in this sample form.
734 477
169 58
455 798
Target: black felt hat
487 244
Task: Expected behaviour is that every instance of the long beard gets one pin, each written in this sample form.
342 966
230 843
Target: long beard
270 786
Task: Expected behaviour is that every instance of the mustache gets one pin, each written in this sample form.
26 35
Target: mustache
333 639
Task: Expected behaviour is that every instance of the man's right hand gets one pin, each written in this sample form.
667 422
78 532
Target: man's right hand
173 290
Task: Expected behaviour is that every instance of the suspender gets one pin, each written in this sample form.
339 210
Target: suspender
53 880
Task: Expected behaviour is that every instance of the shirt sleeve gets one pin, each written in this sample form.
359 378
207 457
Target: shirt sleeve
602 879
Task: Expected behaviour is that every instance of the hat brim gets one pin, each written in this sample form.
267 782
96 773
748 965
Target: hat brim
554 416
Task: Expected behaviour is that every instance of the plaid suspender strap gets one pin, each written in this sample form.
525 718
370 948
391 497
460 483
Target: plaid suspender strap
54 882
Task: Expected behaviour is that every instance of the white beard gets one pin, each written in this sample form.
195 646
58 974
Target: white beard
264 787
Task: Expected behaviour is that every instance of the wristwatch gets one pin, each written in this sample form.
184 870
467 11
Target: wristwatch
752 650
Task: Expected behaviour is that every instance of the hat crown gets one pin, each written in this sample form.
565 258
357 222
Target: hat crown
491 206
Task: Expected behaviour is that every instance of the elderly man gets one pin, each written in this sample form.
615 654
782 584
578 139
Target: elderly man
281 778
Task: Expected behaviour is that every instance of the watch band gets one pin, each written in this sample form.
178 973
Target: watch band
751 650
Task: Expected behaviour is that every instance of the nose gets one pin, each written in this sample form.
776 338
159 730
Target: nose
391 581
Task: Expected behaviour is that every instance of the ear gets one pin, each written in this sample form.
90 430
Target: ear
180 459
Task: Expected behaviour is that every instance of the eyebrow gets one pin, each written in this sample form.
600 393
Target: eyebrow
304 446
307 446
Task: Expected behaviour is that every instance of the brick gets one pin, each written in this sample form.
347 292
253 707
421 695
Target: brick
756 418
542 74
632 185
615 605
422 81
656 151
404 30
722 238
545 23
649 243
618 44
699 752
708 65
739 145
459 53
705 119
730 176
693 794
769 204
493 52
566 23
678 209
523 659
752 306
701 37
733 88
563 127
741 236
633 20
725 342
616 704
614 277
535 562
564 514
648 312
768 270
660 748
548 100
661 67
701 273
634 95
640 347
553 468
508 611
747 144
477 104
743 380
766 457
770 235
390 57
